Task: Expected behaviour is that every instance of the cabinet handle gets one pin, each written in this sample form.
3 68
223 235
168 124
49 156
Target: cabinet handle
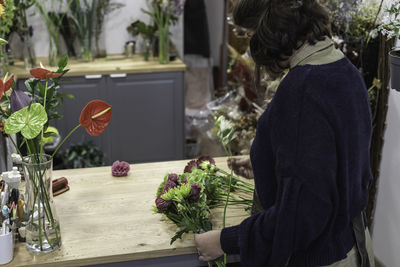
94 76
118 75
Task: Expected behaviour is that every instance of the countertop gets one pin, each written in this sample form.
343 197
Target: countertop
115 64
106 219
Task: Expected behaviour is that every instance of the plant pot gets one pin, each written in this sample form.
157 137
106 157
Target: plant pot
395 69
43 228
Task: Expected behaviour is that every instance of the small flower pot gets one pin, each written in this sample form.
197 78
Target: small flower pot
395 69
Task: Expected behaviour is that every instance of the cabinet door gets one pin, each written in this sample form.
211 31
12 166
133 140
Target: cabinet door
148 116
84 89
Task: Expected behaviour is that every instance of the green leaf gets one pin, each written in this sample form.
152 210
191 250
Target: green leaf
3 42
29 121
70 96
62 63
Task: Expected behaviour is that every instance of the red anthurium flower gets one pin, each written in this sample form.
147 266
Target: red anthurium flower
43 74
6 84
95 117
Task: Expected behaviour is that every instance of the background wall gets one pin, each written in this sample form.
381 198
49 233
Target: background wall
114 33
386 230
215 12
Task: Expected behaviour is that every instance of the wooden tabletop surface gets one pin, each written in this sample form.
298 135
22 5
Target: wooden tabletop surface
114 64
107 219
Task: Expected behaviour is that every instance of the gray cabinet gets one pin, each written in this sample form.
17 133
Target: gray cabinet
148 115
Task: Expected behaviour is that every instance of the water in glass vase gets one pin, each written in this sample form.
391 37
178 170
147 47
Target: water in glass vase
43 228
51 242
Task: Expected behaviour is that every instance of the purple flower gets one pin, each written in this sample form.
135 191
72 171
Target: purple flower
168 185
177 7
19 100
184 180
173 177
162 204
120 169
204 158
195 192
30 29
190 166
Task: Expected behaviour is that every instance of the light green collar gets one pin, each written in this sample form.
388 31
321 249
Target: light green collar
323 52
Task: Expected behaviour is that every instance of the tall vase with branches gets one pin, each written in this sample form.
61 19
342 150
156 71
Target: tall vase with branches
84 15
24 31
53 23
164 13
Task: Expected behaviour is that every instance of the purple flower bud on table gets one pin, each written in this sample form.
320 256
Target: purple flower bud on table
195 192
168 185
173 177
162 204
120 168
19 100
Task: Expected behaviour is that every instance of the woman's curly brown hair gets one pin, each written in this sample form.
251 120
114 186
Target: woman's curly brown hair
279 27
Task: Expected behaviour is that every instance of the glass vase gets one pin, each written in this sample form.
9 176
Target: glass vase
43 228
163 45
29 53
146 49
86 54
86 49
53 53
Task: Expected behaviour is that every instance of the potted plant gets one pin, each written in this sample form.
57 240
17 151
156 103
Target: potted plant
390 27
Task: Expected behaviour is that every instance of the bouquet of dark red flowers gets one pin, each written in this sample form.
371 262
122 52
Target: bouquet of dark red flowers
188 198
184 203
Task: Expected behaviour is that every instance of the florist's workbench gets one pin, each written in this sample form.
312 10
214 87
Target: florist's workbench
106 220
147 101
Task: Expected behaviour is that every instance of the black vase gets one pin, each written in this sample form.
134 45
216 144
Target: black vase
395 69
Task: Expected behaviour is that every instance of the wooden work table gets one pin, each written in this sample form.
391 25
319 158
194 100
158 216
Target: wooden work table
105 219
113 64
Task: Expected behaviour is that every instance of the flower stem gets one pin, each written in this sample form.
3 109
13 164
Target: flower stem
65 139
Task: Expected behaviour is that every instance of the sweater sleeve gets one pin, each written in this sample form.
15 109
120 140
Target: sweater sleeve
303 142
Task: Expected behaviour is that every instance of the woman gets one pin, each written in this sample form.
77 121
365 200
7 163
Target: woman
310 156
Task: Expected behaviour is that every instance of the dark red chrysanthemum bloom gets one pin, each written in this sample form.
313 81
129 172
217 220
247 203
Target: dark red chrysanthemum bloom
190 166
204 158
173 177
95 117
43 74
120 168
162 204
195 192
168 185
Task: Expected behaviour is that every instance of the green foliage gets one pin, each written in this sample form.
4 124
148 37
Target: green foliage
6 19
139 27
353 22
390 27
83 155
20 24
54 98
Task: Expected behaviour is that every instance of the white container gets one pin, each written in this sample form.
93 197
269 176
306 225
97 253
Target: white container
6 248
12 178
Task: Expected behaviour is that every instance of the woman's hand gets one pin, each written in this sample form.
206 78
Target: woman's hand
208 245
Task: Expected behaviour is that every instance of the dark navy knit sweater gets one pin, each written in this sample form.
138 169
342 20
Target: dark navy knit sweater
311 165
